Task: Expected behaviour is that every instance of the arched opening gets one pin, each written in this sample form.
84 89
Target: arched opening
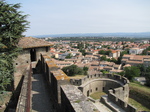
33 55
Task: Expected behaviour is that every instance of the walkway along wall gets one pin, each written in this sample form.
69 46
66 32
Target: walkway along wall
55 77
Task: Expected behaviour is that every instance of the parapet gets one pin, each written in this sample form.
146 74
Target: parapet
81 81
79 103
121 103
54 69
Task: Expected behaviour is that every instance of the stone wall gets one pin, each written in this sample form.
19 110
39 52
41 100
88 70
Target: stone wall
99 82
22 61
54 77
121 103
73 100
115 86
24 102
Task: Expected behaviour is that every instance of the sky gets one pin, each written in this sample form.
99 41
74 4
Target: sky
85 16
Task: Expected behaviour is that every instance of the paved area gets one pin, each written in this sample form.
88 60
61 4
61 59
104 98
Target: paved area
101 107
41 101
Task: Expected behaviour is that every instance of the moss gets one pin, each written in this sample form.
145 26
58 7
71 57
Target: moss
77 101
95 110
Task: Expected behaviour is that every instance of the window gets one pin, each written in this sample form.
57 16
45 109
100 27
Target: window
103 88
96 89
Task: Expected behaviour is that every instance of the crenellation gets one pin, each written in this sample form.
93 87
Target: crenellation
114 85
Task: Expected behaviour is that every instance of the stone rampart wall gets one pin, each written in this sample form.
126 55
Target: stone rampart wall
99 82
24 102
81 81
121 103
115 86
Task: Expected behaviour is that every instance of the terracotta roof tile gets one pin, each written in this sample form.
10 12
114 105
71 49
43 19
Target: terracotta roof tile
30 42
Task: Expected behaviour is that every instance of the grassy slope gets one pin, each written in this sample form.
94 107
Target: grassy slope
140 93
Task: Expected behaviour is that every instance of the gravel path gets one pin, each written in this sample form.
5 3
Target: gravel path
40 95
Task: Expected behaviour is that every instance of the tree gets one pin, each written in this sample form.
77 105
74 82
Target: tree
103 58
121 55
101 52
131 72
80 45
73 70
85 69
113 60
104 52
12 26
69 56
147 76
83 52
145 51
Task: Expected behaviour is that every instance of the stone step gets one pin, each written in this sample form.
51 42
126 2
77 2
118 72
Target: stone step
111 105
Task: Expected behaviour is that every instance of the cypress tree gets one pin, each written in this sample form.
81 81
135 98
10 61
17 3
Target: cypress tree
12 25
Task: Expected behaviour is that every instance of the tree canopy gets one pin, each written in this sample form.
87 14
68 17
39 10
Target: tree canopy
131 72
147 76
104 52
12 26
75 70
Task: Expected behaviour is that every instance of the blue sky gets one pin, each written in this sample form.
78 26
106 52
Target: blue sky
85 16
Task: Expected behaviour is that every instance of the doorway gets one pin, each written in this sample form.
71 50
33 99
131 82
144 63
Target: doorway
88 93
33 55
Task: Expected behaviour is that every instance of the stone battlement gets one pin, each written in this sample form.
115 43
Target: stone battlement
89 84
81 81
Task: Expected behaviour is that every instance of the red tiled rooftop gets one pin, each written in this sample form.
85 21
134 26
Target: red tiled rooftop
30 42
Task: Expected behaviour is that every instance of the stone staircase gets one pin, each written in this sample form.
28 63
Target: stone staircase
110 104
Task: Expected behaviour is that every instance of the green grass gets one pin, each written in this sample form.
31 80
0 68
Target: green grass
97 95
138 105
145 89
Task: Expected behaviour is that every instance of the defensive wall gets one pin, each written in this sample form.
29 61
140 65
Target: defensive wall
24 101
100 82
114 85
119 102
54 77
77 101
23 60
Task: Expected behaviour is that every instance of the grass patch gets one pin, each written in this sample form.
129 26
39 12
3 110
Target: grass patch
140 87
140 93
97 95
139 106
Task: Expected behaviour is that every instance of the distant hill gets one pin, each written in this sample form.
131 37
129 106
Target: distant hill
133 35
